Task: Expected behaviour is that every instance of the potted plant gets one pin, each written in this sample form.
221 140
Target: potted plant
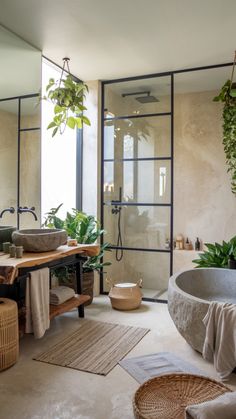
218 255
67 96
85 229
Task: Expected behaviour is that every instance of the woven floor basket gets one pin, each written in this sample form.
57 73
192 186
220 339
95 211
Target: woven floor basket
9 336
167 396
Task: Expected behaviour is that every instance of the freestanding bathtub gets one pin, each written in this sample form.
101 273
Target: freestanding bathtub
189 296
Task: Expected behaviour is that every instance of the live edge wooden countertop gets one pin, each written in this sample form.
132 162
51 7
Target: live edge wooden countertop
9 266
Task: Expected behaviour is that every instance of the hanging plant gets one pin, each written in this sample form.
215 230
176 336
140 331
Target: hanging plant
67 96
227 95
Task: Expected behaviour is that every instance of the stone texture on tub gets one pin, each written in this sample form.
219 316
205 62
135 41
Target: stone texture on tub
189 295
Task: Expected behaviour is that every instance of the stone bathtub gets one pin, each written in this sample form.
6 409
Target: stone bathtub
189 296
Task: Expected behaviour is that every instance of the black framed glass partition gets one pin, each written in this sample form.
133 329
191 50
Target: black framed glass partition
163 173
137 179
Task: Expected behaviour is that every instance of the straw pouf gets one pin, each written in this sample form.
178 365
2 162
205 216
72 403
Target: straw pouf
9 334
166 396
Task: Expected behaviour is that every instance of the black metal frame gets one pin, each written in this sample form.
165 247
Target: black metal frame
171 114
19 131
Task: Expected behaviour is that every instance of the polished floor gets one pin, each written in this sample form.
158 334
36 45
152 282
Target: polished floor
34 390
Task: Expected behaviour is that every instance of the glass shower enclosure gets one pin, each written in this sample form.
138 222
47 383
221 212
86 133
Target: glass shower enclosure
137 181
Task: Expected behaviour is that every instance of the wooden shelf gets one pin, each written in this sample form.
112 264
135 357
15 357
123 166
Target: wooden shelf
76 301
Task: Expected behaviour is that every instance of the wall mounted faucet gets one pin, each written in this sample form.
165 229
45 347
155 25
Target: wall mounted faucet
11 210
20 210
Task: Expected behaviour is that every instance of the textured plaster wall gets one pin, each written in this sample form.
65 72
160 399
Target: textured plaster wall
29 168
8 165
204 205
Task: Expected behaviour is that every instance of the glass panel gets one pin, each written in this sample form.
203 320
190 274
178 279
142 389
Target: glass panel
138 181
30 113
138 227
136 138
152 267
138 97
30 183
8 159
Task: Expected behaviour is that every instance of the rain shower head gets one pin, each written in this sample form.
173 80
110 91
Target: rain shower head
147 98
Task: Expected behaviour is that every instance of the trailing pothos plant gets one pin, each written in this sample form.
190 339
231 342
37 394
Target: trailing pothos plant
228 97
67 97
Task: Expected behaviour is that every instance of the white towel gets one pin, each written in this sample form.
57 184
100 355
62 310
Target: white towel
220 340
223 407
59 295
37 302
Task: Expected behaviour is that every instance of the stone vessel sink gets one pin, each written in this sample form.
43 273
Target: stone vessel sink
40 240
5 234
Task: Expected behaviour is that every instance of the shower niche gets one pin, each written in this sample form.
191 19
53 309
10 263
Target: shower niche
137 193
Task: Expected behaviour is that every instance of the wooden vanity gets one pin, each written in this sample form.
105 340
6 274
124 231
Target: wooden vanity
13 271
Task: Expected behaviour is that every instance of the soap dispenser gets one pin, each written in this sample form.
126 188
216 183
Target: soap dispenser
197 244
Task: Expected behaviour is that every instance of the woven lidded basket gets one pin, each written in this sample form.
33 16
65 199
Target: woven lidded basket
9 335
166 396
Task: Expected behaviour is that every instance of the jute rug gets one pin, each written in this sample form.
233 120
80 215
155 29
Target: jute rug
95 347
142 368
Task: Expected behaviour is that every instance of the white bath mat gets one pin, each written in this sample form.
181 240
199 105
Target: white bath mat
142 368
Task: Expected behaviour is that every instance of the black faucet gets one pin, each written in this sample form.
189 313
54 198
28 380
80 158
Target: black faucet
11 210
20 210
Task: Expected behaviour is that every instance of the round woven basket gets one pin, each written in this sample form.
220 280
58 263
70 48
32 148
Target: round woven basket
167 396
9 335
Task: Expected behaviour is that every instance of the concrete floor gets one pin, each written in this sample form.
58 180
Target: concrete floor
34 390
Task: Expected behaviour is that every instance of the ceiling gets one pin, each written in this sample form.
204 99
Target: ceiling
108 39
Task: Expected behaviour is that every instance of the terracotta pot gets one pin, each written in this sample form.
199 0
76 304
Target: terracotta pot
126 295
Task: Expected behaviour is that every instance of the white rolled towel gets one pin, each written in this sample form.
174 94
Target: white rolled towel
61 294
223 407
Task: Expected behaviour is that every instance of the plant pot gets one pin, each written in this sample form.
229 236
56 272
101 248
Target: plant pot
232 264
88 283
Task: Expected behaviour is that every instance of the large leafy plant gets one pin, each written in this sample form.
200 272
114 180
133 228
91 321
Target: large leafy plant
82 227
67 97
217 255
227 95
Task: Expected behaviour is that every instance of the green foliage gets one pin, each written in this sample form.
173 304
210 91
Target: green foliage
227 96
67 96
217 255
82 227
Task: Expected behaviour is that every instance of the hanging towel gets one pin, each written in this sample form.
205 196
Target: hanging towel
220 341
223 407
37 302
59 295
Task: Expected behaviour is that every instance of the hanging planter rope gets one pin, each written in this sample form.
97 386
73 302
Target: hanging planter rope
227 95
67 96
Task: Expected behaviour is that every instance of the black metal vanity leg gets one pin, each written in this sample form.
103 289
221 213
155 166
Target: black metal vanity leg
79 286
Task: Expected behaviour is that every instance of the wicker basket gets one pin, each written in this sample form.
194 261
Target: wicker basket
166 396
9 335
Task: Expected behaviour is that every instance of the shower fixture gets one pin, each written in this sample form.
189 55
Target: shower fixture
147 98
117 210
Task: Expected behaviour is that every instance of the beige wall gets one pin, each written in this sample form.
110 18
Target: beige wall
8 165
204 205
29 168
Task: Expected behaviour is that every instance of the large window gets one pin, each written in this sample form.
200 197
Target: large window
58 156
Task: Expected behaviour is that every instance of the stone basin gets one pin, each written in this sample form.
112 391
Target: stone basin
39 240
5 234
